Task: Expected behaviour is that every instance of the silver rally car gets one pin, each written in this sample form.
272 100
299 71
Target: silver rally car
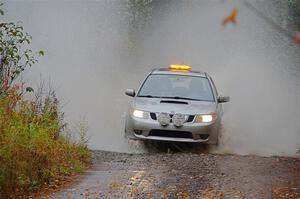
175 104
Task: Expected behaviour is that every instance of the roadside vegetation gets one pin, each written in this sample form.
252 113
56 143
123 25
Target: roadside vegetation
34 150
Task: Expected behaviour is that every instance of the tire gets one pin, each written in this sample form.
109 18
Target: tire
215 140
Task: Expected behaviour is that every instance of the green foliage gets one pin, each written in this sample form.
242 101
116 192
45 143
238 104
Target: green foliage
32 150
29 89
15 56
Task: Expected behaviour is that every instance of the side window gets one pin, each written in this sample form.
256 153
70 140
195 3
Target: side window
214 86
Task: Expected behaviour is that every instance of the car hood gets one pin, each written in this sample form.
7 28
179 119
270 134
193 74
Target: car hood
190 107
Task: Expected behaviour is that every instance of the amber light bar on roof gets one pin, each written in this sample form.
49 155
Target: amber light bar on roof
180 67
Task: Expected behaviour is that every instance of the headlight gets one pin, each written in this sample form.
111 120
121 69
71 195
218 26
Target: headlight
140 114
206 118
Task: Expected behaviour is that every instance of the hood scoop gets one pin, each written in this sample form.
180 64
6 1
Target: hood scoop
173 102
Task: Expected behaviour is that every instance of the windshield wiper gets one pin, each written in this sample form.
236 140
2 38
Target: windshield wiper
184 98
175 97
149 96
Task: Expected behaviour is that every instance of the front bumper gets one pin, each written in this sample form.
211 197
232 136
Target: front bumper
150 129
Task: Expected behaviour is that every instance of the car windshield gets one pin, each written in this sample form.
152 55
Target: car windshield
177 87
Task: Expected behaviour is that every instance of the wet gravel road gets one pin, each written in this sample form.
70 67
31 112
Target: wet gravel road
186 175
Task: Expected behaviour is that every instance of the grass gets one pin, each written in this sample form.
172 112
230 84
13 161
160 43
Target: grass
33 151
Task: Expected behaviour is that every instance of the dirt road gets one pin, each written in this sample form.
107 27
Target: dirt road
186 175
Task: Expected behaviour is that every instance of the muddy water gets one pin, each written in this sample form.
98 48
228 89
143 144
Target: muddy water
97 49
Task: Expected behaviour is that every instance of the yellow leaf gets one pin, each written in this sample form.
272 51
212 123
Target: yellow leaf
231 18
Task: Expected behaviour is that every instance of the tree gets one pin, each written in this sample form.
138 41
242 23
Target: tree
15 55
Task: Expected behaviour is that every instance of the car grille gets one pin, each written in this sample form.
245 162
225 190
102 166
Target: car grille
190 118
153 116
172 134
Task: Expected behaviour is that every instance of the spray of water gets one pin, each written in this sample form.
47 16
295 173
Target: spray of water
252 62
93 55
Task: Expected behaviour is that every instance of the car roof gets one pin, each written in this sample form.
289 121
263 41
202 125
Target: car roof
166 71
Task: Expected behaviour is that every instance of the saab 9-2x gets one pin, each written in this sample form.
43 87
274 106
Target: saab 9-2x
175 104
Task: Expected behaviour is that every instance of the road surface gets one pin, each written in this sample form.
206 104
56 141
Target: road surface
172 174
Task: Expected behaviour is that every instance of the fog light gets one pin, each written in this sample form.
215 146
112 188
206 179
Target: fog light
138 132
203 136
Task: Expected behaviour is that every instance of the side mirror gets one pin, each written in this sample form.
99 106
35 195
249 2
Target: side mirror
223 99
130 92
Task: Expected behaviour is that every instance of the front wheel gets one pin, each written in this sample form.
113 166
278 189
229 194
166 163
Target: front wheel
215 140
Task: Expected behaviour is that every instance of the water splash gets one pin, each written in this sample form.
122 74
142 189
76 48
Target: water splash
93 54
